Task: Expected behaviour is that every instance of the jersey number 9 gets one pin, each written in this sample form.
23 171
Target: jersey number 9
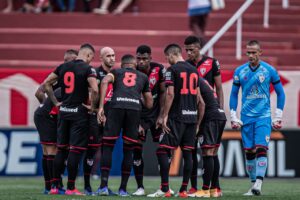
69 80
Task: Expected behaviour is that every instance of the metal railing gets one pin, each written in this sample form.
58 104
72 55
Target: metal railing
237 17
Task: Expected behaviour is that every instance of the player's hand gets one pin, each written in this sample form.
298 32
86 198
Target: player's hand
58 104
89 108
141 131
165 128
100 116
236 123
159 122
277 121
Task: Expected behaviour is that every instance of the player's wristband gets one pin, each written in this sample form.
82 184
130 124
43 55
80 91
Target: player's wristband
278 114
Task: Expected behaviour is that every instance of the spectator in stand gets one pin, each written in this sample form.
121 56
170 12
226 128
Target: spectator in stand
62 6
9 6
103 9
198 12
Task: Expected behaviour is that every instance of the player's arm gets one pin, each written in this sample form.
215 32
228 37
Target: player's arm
40 93
219 90
233 103
50 80
218 82
168 103
93 91
148 100
109 78
276 123
201 107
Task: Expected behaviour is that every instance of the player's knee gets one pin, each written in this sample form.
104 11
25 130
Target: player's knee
207 152
261 152
250 155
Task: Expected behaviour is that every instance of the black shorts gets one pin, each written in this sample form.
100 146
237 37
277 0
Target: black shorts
210 133
149 125
73 133
46 126
125 119
182 134
94 137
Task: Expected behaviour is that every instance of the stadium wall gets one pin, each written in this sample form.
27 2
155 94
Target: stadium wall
20 152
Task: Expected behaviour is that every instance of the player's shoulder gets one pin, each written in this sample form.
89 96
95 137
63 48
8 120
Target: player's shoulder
141 74
242 67
267 66
156 64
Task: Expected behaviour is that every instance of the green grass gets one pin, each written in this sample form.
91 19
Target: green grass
31 188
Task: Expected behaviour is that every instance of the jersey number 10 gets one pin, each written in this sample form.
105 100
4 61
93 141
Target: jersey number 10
193 80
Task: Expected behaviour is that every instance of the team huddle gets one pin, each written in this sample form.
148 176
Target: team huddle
87 109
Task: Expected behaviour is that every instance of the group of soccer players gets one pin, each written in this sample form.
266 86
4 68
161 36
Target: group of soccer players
181 106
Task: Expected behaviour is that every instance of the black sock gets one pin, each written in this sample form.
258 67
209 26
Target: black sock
88 163
187 169
50 161
58 166
46 173
72 166
215 178
208 167
195 168
138 165
107 149
126 164
163 161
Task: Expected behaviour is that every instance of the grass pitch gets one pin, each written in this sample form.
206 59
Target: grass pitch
17 188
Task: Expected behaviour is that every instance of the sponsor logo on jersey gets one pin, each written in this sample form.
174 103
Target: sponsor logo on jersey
261 78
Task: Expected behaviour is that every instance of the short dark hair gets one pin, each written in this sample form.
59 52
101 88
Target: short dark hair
193 40
253 43
127 59
173 49
143 49
71 51
87 46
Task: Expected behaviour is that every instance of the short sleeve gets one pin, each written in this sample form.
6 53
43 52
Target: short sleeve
91 72
170 77
275 78
146 85
162 73
236 78
216 68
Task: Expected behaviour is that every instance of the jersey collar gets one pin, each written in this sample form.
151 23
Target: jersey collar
253 69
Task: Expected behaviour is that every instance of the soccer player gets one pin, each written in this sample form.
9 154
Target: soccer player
180 118
209 69
74 78
45 119
107 57
149 117
255 78
210 133
124 113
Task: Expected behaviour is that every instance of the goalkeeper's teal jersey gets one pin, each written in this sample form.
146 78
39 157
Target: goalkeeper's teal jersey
255 84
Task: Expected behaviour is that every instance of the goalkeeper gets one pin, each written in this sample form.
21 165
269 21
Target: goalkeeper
255 78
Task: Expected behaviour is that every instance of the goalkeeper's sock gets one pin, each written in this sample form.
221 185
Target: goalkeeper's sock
251 166
261 163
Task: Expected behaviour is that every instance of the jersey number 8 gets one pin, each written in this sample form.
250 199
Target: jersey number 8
129 79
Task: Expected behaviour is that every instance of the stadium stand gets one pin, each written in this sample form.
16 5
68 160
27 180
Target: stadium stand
31 40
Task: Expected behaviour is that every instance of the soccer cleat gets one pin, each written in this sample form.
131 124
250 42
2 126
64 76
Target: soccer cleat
160 193
191 192
171 191
249 193
88 191
182 194
139 192
123 193
202 193
217 192
57 191
111 193
102 191
46 191
256 188
73 192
